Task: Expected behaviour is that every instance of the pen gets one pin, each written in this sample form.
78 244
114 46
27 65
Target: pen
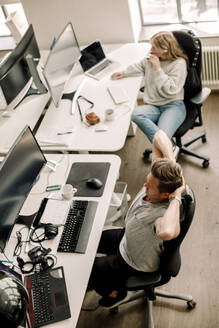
61 133
4 261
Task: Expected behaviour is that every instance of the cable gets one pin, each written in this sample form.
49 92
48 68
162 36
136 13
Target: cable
9 261
47 178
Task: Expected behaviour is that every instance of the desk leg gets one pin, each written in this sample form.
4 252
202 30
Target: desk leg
132 130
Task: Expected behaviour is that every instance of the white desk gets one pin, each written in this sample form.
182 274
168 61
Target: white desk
77 267
86 138
27 113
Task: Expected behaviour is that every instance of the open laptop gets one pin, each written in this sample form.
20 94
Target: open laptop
95 63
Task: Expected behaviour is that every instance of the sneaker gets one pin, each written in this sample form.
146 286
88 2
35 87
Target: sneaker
110 302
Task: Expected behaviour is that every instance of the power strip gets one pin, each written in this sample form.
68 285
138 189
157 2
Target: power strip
118 94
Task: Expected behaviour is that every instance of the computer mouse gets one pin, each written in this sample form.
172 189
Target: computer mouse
94 183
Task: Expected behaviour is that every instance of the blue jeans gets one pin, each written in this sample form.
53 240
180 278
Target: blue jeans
150 118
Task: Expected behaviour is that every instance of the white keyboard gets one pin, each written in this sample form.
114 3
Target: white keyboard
118 94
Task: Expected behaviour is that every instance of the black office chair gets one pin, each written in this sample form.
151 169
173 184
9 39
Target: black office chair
143 284
191 45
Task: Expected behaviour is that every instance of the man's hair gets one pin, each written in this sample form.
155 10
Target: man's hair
167 41
169 174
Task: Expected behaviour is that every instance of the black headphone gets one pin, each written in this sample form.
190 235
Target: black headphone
50 231
38 257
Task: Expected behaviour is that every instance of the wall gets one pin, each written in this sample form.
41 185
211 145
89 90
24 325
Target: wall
107 20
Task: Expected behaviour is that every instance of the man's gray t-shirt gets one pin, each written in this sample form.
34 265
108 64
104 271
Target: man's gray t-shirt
140 246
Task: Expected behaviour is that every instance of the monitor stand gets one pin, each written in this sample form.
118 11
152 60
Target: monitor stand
36 78
69 95
26 220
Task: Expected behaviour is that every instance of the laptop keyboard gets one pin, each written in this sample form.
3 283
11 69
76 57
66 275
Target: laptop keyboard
48 299
100 67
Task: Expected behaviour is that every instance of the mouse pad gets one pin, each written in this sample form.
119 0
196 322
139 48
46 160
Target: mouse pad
81 172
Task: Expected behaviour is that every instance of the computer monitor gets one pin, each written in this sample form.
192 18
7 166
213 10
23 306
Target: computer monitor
17 70
18 172
62 57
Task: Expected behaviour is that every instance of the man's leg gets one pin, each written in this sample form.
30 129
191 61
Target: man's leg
110 240
104 272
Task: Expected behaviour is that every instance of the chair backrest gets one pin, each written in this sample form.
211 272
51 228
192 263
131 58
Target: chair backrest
171 259
191 46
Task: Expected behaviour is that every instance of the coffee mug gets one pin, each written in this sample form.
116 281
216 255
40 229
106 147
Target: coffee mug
109 114
68 191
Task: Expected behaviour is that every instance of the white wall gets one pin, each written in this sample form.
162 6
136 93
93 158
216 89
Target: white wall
107 20
135 18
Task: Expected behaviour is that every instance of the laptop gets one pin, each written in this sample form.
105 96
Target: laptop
94 62
48 298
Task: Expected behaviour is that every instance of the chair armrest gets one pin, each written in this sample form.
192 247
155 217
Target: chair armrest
142 280
201 96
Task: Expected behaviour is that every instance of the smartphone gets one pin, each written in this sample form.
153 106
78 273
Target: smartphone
54 187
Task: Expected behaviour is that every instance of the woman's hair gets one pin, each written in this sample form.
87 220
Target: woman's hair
169 174
167 41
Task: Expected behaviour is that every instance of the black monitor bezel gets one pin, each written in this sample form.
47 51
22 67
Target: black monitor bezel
19 51
18 139
14 70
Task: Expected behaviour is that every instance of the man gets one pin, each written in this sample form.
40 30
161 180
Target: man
152 218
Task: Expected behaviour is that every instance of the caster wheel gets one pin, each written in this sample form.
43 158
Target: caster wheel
191 305
114 311
147 153
205 164
204 139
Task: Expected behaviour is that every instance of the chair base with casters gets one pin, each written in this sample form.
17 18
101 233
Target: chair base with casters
149 296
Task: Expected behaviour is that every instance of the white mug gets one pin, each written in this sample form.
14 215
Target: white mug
68 191
109 114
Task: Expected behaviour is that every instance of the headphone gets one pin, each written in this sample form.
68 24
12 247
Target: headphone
38 256
49 231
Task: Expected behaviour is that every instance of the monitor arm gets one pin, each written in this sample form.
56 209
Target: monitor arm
35 75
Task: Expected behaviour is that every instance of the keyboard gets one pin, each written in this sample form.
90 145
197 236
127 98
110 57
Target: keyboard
118 94
100 67
48 299
77 227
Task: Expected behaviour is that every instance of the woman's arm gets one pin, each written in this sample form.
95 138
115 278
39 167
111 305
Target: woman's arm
132 70
171 82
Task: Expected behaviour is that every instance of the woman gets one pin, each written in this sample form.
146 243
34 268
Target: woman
165 71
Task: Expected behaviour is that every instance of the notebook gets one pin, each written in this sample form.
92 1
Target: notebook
95 63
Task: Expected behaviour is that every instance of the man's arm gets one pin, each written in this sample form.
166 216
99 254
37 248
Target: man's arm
168 226
162 146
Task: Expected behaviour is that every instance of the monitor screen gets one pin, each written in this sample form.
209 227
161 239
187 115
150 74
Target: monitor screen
62 58
18 172
14 71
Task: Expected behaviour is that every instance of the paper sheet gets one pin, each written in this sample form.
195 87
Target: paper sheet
54 135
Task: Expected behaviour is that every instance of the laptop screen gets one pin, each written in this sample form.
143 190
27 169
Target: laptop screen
91 55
